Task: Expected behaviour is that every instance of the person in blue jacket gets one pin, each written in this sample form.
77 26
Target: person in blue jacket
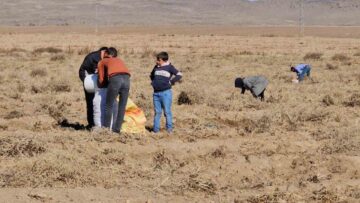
301 71
163 76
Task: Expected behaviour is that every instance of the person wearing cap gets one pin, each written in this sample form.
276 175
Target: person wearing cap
89 66
301 71
114 74
255 84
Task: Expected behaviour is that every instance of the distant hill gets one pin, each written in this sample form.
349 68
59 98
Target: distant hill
178 12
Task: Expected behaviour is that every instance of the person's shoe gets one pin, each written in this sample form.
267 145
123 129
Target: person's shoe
89 127
170 131
115 131
154 131
96 129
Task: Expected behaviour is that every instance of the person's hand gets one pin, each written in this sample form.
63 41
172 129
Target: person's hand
295 81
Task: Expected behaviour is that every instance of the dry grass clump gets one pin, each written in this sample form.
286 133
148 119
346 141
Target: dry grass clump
274 197
4 127
183 98
312 116
199 185
47 173
38 73
354 101
57 110
189 98
249 125
340 57
38 89
60 86
14 114
330 66
313 56
328 100
25 148
357 78
219 152
341 142
51 50
160 159
15 49
59 57
324 195
263 124
268 35
21 88
148 52
248 53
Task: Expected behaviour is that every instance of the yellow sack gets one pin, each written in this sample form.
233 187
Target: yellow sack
134 120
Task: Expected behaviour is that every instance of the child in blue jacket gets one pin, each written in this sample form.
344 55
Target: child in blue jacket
163 76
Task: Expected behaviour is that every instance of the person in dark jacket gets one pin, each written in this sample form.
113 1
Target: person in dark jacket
163 76
89 66
256 84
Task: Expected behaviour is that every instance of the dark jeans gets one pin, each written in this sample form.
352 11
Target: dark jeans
262 95
89 108
118 85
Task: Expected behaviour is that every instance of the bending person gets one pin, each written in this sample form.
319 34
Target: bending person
118 76
301 71
256 84
88 67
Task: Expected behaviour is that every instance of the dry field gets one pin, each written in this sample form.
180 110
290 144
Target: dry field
301 145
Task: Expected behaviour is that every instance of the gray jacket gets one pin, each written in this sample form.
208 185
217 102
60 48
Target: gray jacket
256 84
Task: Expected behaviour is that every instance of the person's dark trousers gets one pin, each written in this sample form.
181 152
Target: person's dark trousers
262 95
118 85
89 108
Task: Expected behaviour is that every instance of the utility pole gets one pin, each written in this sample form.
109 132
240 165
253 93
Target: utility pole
301 18
96 17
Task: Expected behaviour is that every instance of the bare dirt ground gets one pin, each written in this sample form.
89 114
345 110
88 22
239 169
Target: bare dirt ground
301 145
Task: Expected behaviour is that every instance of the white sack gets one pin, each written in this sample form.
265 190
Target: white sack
90 83
99 107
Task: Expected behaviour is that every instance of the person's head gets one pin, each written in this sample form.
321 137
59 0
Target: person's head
103 49
112 52
162 58
292 69
239 83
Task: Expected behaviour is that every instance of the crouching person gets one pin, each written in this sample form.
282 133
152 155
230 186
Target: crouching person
256 84
301 71
163 76
117 74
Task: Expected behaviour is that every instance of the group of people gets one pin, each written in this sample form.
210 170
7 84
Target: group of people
257 84
113 79
113 83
